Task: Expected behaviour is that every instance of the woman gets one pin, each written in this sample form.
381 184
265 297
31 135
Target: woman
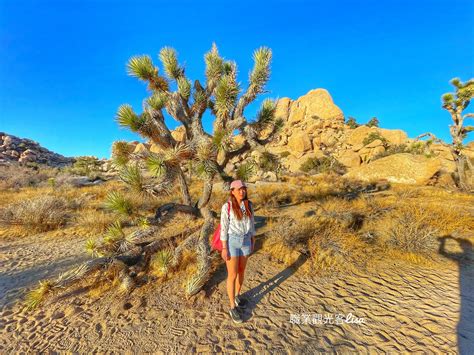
238 240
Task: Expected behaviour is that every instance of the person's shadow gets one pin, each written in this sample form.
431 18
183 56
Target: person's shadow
465 328
255 295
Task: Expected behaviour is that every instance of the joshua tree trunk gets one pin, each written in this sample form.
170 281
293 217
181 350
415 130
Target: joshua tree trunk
184 188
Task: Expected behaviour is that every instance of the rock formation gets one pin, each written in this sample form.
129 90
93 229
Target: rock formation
23 151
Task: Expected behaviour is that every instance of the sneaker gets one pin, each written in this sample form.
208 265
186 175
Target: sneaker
235 315
240 301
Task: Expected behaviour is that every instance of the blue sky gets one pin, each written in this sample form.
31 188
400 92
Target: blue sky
62 63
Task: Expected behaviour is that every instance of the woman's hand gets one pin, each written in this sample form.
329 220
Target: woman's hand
225 254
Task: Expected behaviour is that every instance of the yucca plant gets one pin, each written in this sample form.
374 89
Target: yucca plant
117 203
161 261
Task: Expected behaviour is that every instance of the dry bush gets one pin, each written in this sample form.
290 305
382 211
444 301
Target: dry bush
37 214
272 196
330 246
16 177
94 221
411 230
335 249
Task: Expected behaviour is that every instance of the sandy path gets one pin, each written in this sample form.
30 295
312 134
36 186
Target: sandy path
405 308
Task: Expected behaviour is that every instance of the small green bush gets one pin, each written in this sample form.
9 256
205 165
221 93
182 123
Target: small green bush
284 154
322 165
393 149
374 136
351 122
269 162
374 122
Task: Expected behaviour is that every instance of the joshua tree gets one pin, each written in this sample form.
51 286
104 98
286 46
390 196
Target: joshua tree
455 103
155 172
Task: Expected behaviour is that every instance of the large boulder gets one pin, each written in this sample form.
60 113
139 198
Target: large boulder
349 159
179 134
398 168
315 105
299 143
283 108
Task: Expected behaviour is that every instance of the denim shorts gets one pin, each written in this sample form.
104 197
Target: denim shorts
240 245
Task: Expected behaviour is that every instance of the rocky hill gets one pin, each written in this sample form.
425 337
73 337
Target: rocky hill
315 129
23 151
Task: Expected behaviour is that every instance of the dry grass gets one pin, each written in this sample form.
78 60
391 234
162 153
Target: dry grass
17 177
38 214
94 221
330 246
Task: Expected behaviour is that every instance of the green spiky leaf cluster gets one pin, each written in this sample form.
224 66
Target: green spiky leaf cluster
158 100
266 115
131 175
214 66
461 98
226 95
261 70
121 151
169 58
37 295
156 165
246 170
161 261
223 140
184 87
115 239
117 203
142 68
92 247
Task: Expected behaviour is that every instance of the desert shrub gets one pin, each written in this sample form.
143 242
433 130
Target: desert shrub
85 166
351 122
95 221
269 196
37 214
284 154
161 261
269 162
246 170
411 229
322 165
392 149
374 136
420 148
374 122
328 245
15 176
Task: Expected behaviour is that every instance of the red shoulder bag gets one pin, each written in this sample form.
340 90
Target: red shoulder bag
216 238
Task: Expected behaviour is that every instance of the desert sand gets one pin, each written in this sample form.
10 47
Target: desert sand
404 308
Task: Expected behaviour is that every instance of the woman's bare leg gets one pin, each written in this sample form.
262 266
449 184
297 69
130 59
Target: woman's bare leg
241 271
232 271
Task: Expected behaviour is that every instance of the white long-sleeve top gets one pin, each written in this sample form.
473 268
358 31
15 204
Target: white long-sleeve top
230 225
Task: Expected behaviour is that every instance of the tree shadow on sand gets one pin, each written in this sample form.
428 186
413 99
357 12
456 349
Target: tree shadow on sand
256 294
465 258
